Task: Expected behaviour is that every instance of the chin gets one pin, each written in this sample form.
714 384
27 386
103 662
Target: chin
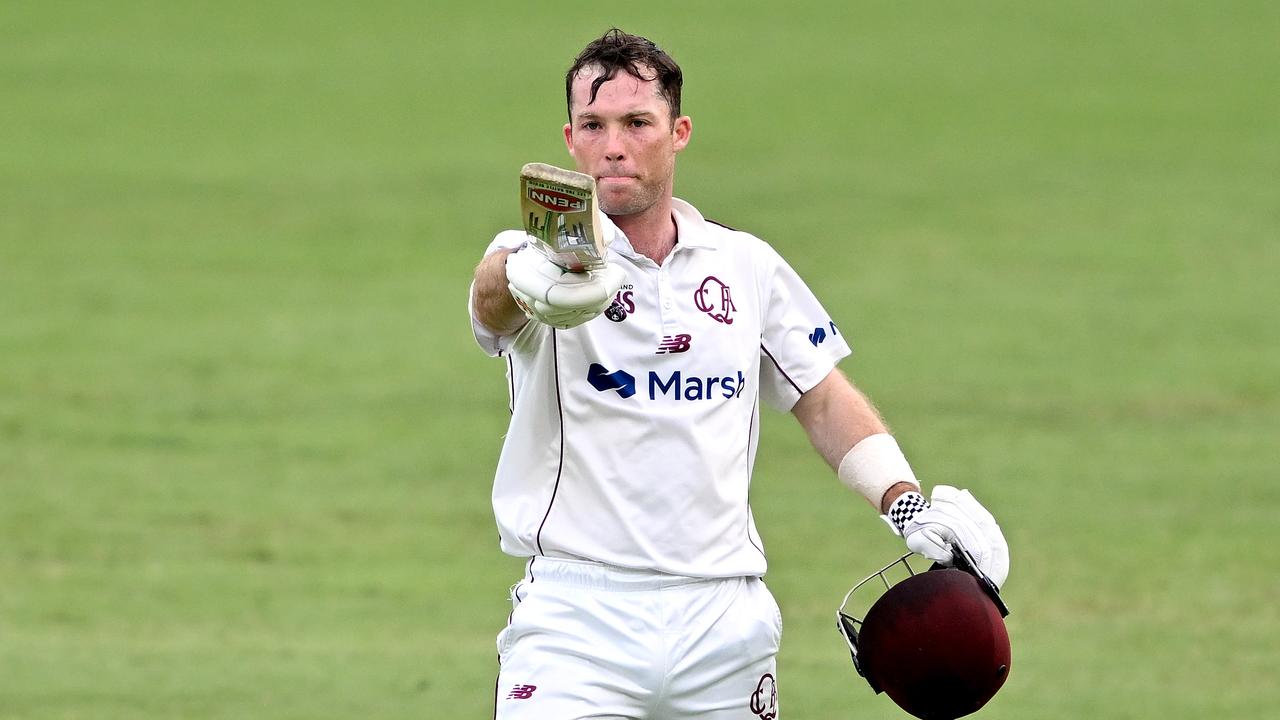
622 209
617 206
626 204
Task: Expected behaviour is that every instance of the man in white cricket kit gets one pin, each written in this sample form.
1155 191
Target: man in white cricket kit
625 472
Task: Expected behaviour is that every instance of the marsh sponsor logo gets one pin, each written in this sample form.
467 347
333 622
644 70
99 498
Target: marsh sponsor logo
819 334
678 386
675 385
603 380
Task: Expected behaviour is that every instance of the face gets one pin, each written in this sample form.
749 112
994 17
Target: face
626 140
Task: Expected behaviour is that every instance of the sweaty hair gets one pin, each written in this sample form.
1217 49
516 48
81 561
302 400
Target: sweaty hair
639 57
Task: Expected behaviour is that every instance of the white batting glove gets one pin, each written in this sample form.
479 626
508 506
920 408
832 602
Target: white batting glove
953 516
552 295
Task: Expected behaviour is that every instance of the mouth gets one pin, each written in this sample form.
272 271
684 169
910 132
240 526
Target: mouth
614 176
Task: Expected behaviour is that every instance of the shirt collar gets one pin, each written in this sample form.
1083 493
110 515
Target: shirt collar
691 230
691 227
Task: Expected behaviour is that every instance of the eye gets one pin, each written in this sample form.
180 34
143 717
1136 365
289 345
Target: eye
638 123
591 125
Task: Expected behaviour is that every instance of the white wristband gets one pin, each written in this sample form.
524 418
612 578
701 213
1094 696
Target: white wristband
873 466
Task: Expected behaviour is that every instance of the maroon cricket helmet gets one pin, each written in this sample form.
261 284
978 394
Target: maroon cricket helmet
934 642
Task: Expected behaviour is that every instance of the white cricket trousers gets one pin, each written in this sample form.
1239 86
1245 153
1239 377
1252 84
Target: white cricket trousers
587 640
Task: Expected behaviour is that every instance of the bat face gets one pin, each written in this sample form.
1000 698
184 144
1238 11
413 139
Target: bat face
561 216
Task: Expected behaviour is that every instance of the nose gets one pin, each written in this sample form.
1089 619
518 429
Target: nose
613 149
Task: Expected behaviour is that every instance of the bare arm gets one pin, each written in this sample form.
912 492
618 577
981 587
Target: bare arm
837 416
494 306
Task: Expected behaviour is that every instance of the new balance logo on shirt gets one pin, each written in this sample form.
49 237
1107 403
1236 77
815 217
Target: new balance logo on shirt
674 344
521 692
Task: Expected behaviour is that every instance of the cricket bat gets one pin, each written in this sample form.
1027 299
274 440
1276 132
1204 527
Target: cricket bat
561 216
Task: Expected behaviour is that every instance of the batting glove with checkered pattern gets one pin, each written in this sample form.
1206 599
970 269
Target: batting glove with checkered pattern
930 527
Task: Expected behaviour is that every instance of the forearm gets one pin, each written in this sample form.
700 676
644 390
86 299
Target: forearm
849 434
837 417
494 307
894 492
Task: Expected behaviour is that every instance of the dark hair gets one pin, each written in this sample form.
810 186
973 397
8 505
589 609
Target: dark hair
617 50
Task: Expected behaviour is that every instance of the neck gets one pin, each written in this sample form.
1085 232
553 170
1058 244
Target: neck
652 233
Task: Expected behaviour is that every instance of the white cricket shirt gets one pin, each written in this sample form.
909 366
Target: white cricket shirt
633 435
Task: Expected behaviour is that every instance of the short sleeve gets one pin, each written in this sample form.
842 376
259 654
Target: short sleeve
800 343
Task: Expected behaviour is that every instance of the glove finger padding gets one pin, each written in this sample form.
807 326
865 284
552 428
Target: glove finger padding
956 516
563 319
589 289
559 298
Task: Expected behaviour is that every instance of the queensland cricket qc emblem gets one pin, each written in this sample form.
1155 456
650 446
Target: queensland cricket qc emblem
713 298
764 701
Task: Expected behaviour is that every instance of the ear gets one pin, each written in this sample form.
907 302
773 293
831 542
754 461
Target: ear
681 130
568 138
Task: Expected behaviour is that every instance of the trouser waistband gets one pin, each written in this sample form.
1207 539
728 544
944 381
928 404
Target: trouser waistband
588 574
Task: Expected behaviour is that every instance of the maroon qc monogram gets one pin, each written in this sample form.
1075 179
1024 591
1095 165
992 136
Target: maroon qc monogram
712 297
764 701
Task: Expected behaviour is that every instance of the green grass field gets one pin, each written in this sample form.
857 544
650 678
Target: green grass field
246 441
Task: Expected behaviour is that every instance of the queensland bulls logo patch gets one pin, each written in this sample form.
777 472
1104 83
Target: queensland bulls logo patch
624 304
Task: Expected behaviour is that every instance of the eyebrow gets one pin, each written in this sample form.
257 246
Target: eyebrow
644 114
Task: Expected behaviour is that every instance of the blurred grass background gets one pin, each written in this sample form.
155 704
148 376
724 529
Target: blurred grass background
246 442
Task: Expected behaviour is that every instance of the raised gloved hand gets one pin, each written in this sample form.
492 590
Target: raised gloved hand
552 295
953 516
